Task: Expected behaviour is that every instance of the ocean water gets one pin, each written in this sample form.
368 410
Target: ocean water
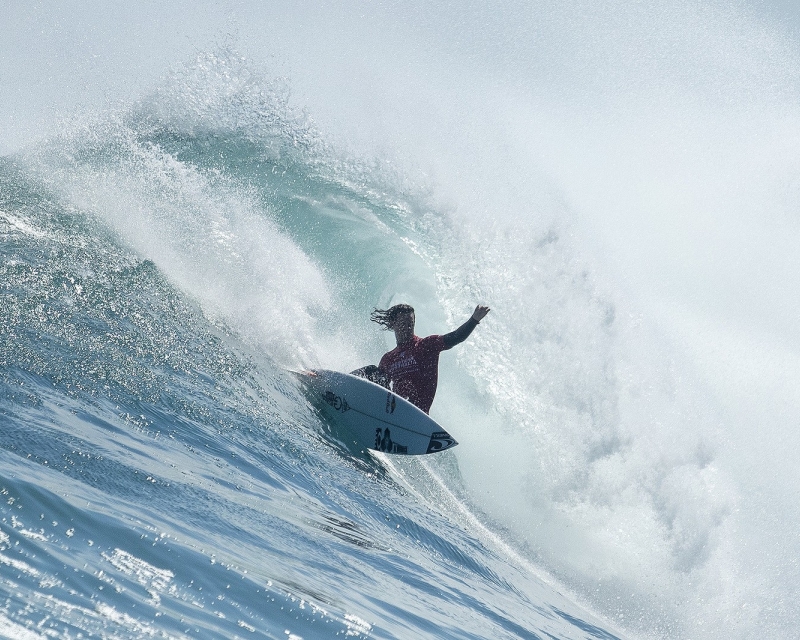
190 218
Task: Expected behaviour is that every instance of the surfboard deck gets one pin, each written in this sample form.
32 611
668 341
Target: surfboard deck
378 418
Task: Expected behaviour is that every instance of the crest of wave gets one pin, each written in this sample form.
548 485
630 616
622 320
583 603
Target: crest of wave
223 93
208 232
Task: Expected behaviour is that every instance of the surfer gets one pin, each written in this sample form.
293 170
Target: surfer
411 369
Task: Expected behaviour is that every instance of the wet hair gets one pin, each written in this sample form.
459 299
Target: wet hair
386 317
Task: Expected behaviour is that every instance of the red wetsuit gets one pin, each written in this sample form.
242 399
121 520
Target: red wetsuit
413 367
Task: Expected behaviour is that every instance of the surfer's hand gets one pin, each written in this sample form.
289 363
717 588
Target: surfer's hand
480 313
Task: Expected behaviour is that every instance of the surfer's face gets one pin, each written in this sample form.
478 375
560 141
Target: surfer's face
403 326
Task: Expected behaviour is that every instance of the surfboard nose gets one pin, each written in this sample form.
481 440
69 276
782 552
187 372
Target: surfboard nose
440 441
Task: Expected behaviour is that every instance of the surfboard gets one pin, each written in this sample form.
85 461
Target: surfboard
378 418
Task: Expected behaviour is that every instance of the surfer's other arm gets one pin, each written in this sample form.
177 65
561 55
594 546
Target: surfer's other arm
462 333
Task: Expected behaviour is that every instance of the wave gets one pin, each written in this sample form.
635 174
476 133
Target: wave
164 261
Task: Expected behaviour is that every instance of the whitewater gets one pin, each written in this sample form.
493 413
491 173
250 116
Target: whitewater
196 198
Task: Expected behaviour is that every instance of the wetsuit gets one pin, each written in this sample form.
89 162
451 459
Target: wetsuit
413 368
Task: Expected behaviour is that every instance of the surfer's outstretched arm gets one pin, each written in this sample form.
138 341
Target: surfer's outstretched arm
462 333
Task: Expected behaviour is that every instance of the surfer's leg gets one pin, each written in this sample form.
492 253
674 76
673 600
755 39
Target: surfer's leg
364 372
373 374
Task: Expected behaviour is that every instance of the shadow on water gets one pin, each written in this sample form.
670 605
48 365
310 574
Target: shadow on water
595 632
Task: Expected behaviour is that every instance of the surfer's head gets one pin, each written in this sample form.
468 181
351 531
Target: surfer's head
399 318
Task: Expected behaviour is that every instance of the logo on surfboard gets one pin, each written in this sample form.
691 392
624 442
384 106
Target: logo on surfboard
440 441
383 442
391 402
337 402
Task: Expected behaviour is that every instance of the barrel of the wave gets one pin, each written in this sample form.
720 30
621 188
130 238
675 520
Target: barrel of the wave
376 417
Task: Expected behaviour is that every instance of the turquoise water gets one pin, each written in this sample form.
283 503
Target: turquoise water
617 182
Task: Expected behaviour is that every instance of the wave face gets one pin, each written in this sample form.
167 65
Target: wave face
162 474
164 263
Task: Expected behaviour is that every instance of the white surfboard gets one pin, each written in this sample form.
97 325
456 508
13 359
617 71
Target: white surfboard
378 418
